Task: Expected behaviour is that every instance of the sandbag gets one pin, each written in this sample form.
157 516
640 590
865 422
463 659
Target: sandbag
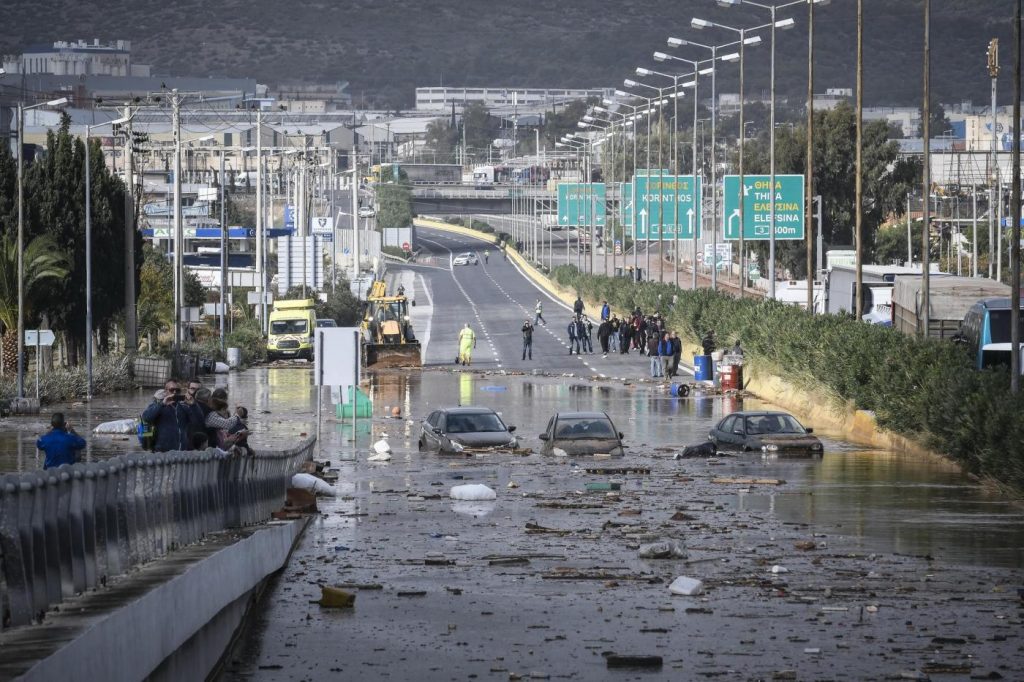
473 492
118 426
312 483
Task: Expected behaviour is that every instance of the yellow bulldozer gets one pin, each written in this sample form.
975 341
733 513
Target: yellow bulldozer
388 333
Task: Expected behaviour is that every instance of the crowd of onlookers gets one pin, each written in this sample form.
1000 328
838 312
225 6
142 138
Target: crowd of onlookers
195 419
645 334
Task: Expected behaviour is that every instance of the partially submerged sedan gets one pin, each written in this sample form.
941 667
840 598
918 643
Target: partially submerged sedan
773 433
581 433
459 429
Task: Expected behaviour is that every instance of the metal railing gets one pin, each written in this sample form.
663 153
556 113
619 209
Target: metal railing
69 529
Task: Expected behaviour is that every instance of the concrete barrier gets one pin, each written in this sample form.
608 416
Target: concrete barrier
67 530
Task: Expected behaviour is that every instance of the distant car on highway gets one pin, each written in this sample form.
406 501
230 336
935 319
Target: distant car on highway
367 212
456 429
773 433
466 259
581 433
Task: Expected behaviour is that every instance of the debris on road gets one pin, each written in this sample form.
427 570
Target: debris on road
685 586
336 598
472 492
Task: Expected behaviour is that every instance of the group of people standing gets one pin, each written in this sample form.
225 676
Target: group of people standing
646 334
195 419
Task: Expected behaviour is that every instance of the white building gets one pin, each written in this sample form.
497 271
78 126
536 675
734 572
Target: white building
442 98
77 58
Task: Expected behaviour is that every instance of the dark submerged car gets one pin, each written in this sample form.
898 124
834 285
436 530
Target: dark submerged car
582 433
456 429
769 432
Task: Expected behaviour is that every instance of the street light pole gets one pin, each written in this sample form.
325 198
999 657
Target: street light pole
21 234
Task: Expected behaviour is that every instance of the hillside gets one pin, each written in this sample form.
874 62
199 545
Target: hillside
389 47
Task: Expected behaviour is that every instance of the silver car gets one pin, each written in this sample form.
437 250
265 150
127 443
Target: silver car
466 259
458 429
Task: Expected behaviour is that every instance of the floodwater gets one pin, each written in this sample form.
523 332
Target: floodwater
888 565
884 500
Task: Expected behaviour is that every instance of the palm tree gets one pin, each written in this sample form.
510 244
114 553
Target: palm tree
42 261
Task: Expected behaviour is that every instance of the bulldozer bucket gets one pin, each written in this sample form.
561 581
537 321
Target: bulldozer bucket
385 355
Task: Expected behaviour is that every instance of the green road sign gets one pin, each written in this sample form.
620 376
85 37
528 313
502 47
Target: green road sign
581 203
757 198
666 206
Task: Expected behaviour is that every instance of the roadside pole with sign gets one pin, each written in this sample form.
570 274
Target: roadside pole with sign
39 338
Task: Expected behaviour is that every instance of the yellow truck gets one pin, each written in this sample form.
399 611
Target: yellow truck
292 325
388 334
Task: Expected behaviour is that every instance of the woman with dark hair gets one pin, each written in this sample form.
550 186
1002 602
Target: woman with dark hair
220 421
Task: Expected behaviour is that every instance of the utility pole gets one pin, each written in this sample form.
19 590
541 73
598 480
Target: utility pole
354 190
858 308
1015 210
809 178
131 338
179 241
260 230
743 135
993 229
21 250
926 201
223 253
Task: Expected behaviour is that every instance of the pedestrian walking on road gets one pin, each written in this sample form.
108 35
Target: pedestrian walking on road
538 314
574 339
606 311
625 337
487 256
652 352
61 444
586 327
604 331
677 353
467 342
613 337
665 354
527 339
578 307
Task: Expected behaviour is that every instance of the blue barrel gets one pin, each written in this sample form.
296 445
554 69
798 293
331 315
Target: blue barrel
703 368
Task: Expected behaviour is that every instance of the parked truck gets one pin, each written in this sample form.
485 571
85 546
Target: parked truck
292 324
949 299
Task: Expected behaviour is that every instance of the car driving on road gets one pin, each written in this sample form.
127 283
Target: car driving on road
770 432
581 433
457 429
367 212
466 259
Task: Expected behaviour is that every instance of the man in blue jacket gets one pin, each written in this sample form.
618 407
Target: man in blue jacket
175 418
61 444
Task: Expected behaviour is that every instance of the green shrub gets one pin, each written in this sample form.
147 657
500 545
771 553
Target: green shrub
249 338
923 389
110 373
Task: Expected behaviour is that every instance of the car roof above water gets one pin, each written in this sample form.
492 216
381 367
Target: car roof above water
468 410
581 415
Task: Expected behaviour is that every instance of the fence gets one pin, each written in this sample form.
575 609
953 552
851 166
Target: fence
65 530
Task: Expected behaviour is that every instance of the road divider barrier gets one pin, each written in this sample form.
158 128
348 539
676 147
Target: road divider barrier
70 529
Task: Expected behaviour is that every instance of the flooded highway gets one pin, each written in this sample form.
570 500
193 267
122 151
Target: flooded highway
880 555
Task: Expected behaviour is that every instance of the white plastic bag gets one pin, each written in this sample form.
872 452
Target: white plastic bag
473 492
686 586
312 483
119 426
221 368
667 549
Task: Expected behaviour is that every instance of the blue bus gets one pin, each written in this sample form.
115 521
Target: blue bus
986 330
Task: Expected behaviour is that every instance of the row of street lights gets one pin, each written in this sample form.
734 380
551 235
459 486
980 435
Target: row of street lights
676 90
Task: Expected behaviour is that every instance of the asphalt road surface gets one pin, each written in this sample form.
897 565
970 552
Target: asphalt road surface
495 298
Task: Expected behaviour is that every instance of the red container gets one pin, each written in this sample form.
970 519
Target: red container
731 377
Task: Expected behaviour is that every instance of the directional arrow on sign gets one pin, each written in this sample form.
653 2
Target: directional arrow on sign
735 214
746 189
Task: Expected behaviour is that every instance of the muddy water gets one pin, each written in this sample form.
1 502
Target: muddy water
892 563
883 501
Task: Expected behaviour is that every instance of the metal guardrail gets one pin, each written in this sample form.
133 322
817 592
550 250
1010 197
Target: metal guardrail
69 529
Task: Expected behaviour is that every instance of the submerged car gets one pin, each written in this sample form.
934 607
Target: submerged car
466 259
769 432
457 429
581 433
